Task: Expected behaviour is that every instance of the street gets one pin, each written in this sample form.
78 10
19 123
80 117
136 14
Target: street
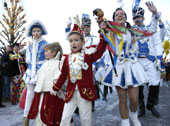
106 113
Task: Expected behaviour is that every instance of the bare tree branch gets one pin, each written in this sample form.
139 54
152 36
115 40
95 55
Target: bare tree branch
12 23
7 35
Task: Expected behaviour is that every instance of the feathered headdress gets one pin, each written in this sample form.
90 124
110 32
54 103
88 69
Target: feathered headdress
120 3
135 3
86 20
136 10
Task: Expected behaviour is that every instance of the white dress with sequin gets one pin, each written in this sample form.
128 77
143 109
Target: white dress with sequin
129 70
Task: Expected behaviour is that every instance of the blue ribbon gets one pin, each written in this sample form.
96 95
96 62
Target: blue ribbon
162 62
112 46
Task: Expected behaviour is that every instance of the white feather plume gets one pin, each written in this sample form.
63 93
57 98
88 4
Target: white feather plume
120 3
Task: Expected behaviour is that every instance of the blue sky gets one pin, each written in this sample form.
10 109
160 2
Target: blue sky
54 14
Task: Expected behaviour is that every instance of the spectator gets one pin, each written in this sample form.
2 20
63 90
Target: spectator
6 67
1 84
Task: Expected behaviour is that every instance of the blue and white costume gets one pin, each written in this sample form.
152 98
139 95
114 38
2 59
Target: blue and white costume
150 51
34 58
102 65
91 40
129 70
150 56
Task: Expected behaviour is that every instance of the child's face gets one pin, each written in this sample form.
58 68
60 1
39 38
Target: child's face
49 54
36 33
16 49
75 42
103 25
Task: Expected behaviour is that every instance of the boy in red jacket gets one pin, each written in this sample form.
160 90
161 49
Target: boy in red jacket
77 67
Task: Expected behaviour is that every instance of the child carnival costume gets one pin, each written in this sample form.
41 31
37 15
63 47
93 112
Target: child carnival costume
34 58
47 108
77 67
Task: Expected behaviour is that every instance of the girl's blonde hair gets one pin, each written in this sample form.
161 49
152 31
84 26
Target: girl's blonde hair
54 47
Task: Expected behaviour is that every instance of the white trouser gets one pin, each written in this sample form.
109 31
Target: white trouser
85 110
29 98
151 71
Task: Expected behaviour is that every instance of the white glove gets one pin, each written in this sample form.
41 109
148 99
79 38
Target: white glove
52 92
61 94
69 22
157 63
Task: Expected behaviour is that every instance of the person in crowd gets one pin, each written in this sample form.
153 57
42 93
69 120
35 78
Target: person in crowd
6 68
77 67
100 69
16 73
89 40
43 101
1 83
34 58
150 57
128 73
167 66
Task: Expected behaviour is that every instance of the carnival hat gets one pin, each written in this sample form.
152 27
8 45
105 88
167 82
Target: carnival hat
77 26
36 24
86 21
138 12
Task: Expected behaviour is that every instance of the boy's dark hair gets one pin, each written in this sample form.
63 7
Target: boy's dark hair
77 33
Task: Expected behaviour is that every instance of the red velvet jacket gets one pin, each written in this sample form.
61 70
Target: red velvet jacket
86 84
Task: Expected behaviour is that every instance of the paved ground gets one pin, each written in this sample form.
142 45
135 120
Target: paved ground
106 113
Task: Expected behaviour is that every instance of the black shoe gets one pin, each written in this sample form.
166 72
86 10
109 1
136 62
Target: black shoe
2 106
141 112
154 111
104 98
111 90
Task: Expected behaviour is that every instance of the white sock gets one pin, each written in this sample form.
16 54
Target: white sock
125 122
134 117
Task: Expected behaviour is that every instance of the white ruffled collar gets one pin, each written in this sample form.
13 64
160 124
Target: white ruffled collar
78 65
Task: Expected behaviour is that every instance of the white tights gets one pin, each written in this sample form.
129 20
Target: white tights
29 98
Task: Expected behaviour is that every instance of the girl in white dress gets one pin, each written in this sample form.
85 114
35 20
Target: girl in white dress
130 73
